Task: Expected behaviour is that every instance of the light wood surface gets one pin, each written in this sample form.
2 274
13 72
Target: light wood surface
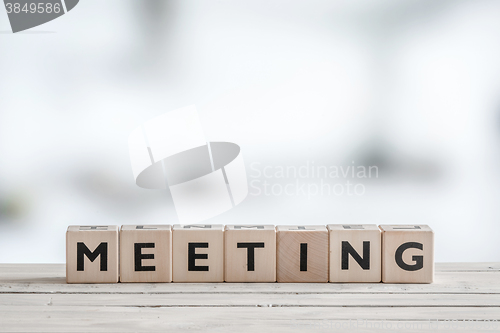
359 237
301 253
206 243
465 297
416 265
92 254
145 253
246 263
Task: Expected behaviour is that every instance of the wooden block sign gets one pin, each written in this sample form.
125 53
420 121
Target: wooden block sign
198 253
302 254
250 253
92 254
145 253
408 254
355 253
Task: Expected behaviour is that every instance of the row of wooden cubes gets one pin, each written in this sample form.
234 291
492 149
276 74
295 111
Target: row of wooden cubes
257 253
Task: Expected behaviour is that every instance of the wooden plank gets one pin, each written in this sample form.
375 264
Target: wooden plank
445 282
229 319
253 300
35 298
467 267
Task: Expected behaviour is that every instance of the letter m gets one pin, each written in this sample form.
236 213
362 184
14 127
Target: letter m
101 250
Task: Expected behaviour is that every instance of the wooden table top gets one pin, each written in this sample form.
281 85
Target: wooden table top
464 297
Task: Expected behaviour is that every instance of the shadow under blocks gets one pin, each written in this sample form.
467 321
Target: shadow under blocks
335 253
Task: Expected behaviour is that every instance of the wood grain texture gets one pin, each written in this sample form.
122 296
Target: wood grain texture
393 239
292 264
98 241
463 298
356 236
136 242
242 267
211 236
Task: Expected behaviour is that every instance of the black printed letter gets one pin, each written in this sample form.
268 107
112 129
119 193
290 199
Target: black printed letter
82 249
419 260
250 253
192 256
348 249
303 257
138 256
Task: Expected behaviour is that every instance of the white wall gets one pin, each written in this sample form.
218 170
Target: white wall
412 87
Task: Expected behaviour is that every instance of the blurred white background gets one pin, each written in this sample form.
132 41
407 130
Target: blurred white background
412 87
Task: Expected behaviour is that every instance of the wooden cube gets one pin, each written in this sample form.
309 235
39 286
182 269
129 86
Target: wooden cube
407 254
92 254
355 253
250 253
198 253
146 253
302 254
